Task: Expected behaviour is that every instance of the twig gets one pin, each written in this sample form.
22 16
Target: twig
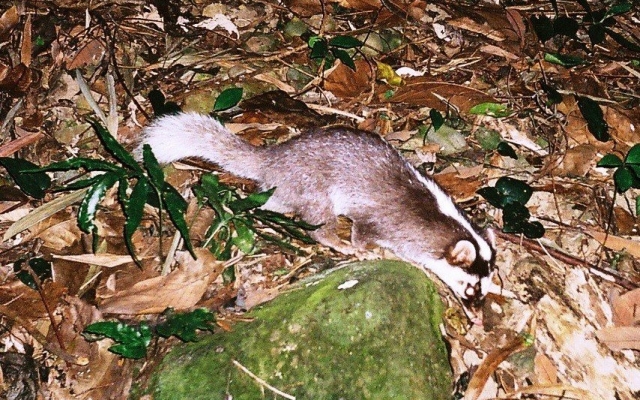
566 258
262 382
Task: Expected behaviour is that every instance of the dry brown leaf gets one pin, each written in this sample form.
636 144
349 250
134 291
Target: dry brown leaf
345 82
626 309
461 188
102 260
439 95
546 372
577 161
11 147
489 365
180 289
88 54
468 24
620 338
25 46
517 23
8 21
616 243
60 235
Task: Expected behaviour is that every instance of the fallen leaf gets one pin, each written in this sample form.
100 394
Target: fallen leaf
626 309
620 338
345 82
102 260
616 243
180 289
546 372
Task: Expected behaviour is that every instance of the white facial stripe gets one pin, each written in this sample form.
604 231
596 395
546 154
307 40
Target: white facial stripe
456 278
448 208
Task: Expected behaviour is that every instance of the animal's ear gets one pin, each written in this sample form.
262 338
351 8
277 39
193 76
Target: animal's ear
463 254
491 237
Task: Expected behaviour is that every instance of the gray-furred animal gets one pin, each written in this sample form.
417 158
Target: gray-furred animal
340 171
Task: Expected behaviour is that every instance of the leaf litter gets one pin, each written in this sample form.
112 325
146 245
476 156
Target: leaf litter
568 301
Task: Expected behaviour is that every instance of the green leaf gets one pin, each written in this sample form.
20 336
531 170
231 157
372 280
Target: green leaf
533 230
437 120
344 57
564 60
491 195
154 170
597 33
553 96
95 194
133 210
319 48
132 341
617 9
566 26
184 325
623 41
40 267
33 184
245 239
505 149
624 179
638 205
633 156
610 161
176 206
491 109
115 148
89 164
513 191
345 42
254 200
592 112
543 27
81 184
227 99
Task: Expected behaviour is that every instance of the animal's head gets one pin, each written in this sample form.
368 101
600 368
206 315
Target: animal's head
472 269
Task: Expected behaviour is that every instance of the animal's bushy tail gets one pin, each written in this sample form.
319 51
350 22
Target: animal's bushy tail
175 137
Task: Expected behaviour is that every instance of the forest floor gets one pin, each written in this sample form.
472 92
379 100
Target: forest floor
539 99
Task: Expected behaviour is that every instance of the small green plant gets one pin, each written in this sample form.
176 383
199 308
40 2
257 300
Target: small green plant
235 219
327 51
132 340
627 171
147 185
511 195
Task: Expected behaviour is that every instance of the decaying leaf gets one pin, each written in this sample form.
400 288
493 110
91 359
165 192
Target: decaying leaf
626 309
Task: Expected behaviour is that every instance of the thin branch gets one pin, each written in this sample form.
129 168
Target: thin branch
261 381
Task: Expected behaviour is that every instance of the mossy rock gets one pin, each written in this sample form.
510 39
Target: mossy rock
378 339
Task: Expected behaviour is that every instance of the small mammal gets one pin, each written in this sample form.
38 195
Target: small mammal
340 171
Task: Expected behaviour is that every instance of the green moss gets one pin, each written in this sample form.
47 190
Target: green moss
378 339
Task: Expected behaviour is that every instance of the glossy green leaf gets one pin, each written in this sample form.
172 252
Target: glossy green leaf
345 42
95 194
624 179
437 120
566 26
553 96
633 156
244 239
40 267
513 191
133 209
618 9
610 161
491 109
638 205
150 163
89 164
227 99
543 27
254 200
592 113
623 41
344 57
114 147
505 149
319 48
185 325
80 184
33 184
491 195
597 34
131 341
563 59
533 230
176 206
